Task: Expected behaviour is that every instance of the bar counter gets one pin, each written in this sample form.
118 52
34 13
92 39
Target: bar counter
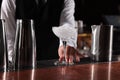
88 71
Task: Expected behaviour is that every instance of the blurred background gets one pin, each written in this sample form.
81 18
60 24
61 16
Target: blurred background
95 12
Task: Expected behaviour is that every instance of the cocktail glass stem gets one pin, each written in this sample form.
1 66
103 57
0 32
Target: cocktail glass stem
64 45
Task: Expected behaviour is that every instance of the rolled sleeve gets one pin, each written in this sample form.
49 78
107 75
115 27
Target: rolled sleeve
67 19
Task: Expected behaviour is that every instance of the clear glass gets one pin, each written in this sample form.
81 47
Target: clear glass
84 44
84 39
64 33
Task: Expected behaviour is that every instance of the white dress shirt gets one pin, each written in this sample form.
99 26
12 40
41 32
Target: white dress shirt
8 8
67 19
8 13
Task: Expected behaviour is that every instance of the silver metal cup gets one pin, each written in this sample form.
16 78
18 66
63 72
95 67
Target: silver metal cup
25 45
102 41
3 47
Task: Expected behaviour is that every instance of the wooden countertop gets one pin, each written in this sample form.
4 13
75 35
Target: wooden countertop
91 71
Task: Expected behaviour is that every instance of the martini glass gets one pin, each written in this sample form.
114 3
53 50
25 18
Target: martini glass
65 33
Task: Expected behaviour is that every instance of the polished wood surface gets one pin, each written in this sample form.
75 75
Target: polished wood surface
91 71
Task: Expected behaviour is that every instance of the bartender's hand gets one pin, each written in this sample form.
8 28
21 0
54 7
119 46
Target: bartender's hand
71 54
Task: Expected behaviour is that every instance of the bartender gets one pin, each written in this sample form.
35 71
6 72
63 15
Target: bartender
46 14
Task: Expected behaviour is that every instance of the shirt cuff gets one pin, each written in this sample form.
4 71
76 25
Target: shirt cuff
72 42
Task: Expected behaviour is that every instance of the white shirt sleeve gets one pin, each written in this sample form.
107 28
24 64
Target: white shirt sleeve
67 19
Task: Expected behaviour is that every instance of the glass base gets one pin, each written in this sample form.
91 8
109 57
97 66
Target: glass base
63 63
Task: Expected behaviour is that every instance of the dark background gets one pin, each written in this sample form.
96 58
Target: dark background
93 12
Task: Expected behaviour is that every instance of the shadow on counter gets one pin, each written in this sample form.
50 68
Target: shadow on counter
86 60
